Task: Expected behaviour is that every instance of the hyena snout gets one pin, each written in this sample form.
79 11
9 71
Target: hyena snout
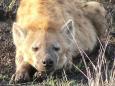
48 63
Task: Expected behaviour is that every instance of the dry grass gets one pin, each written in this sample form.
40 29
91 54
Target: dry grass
101 74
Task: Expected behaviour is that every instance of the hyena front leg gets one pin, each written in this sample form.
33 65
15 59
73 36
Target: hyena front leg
23 72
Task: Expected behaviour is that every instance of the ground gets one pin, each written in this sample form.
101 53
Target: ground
7 50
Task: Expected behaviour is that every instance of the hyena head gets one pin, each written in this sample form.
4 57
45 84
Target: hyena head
46 49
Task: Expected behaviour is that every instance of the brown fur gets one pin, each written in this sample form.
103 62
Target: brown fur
40 24
97 17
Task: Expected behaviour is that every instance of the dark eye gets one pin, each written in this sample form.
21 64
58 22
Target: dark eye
56 48
35 49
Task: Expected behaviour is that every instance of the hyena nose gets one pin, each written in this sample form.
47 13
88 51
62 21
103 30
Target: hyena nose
48 63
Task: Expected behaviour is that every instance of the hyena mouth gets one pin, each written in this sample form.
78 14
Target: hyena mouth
50 71
45 71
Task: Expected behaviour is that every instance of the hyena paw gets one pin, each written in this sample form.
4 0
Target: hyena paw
20 77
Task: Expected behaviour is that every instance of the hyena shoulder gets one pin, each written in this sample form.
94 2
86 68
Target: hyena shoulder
96 13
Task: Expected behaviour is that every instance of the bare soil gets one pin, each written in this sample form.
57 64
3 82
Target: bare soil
7 52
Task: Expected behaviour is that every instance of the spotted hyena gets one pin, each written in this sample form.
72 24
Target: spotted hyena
48 33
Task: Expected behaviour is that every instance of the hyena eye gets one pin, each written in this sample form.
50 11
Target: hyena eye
56 47
35 49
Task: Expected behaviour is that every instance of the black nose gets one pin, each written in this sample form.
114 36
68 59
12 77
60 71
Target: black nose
47 62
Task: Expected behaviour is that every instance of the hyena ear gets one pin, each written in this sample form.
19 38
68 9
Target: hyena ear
19 34
68 29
